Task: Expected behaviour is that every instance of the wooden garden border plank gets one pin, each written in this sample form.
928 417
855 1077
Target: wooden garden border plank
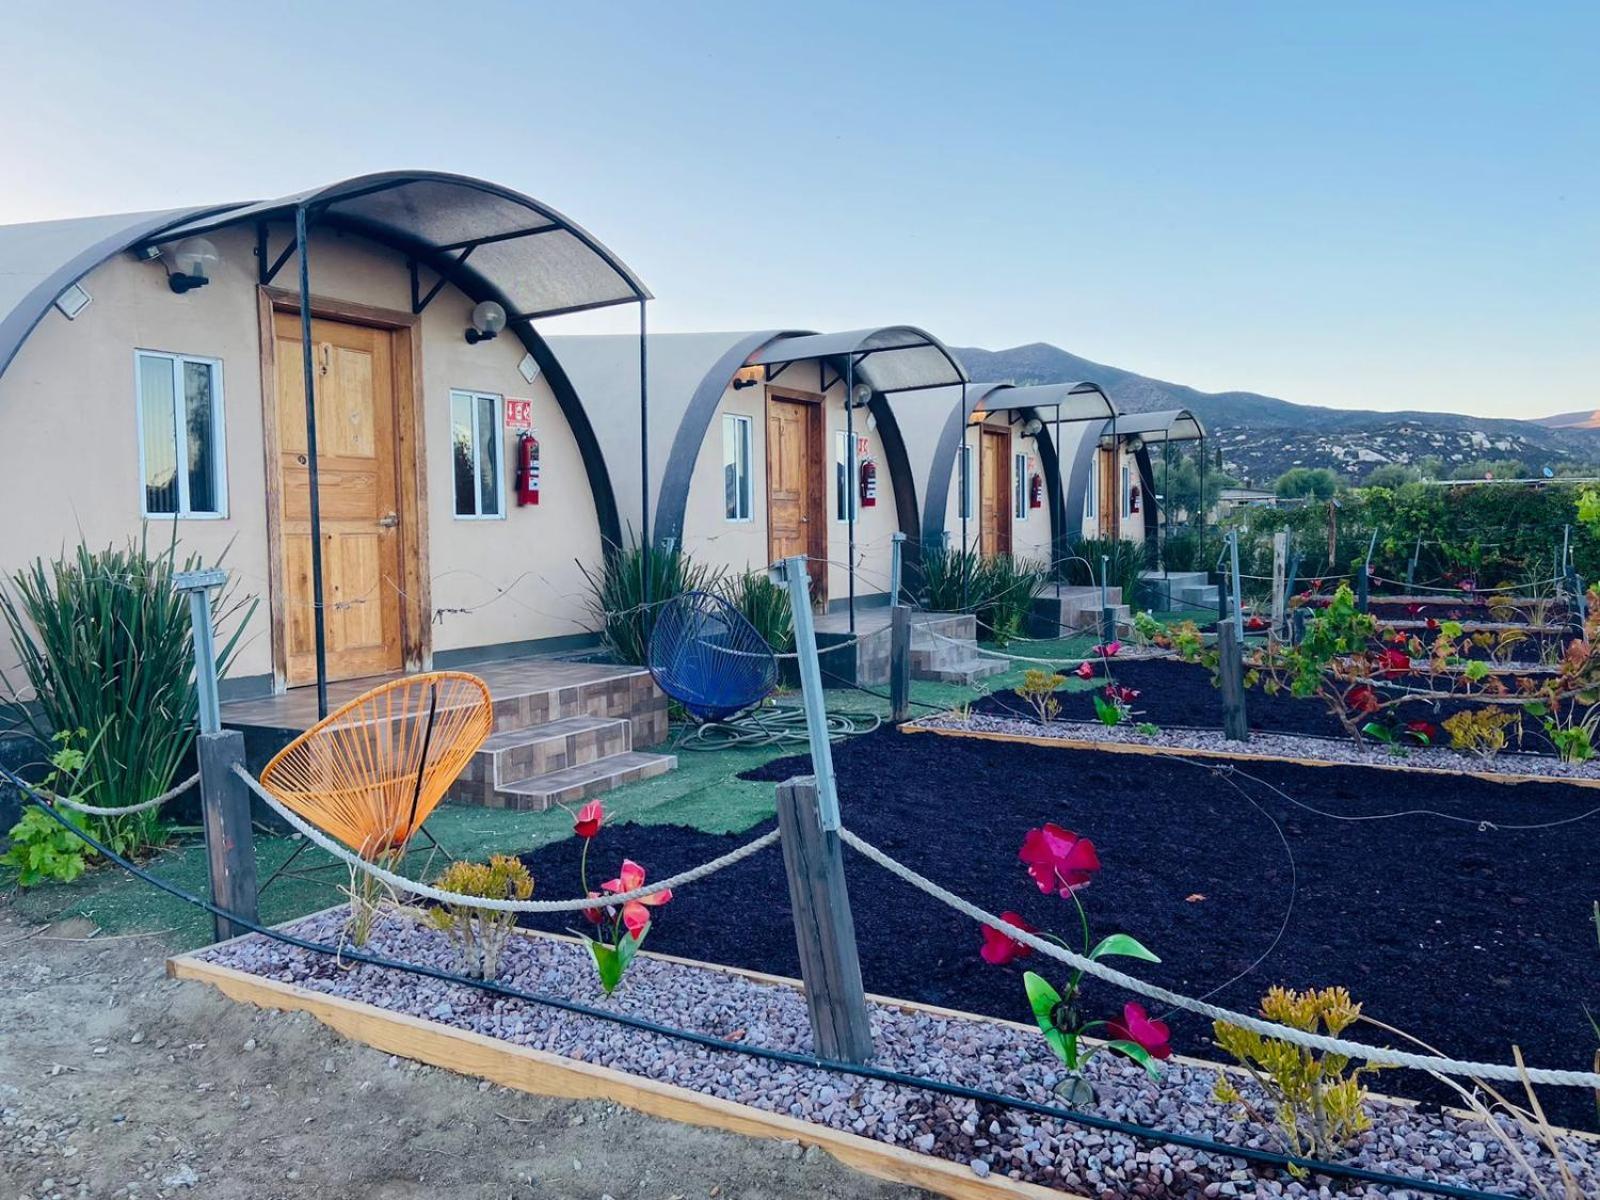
1064 743
542 1073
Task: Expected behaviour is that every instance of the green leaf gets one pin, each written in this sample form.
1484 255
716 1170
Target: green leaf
1123 945
1043 999
1138 1054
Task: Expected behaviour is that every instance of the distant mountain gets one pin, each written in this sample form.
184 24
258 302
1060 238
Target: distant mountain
1351 441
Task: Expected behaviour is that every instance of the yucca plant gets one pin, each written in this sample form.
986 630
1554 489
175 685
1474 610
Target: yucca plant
950 579
1007 586
106 646
628 588
765 605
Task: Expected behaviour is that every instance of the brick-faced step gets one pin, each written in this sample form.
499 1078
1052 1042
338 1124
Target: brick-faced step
519 753
966 671
577 784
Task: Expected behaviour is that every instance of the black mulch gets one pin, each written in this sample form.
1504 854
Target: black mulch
1179 695
1469 937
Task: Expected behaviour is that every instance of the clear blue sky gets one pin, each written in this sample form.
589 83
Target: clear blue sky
1366 205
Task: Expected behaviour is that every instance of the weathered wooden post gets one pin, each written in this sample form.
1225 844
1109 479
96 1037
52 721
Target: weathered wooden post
808 823
1280 570
897 569
224 800
1230 669
1237 586
1288 590
899 662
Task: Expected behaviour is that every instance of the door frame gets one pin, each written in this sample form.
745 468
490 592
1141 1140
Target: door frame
1003 532
410 458
817 477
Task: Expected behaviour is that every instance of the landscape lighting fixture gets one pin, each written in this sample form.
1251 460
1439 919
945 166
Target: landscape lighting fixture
488 319
192 261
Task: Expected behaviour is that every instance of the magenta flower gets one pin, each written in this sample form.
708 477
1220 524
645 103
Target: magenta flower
1085 671
1139 1028
634 913
998 949
1059 860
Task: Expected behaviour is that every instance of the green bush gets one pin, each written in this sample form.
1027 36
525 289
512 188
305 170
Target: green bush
619 587
1126 560
1191 549
765 605
1006 587
950 579
106 646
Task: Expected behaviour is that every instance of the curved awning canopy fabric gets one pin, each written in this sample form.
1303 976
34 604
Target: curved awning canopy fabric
1169 425
1066 401
892 358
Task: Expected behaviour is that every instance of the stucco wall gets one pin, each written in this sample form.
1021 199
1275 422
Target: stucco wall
742 545
68 441
1030 535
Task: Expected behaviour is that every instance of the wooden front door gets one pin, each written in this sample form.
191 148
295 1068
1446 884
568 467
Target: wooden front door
1110 494
796 516
359 489
994 472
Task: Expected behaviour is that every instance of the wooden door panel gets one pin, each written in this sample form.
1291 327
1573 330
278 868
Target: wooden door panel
358 493
995 489
796 520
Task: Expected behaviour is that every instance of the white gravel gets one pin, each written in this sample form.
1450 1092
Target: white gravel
972 1052
1372 754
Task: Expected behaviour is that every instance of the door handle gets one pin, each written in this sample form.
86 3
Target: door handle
389 520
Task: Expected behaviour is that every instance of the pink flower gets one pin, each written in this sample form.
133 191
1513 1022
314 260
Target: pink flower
1085 671
1121 694
589 819
594 915
999 949
634 913
1362 699
1137 1027
1109 650
1394 662
1058 859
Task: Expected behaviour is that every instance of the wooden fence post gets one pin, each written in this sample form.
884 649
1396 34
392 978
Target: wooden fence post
230 846
1230 669
899 662
823 929
1363 600
1280 573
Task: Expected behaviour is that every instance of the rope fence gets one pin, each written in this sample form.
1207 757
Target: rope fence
125 810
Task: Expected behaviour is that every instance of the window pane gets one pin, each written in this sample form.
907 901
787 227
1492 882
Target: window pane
745 506
199 406
1019 486
730 468
156 423
461 440
841 484
488 457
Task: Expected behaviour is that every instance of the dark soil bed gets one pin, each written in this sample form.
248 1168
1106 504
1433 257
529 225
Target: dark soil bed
1179 695
1467 935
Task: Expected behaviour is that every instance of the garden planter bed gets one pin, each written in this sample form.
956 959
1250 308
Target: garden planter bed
951 1146
1182 696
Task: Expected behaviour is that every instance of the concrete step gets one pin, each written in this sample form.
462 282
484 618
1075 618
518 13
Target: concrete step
633 695
966 671
1177 579
1198 597
576 784
568 742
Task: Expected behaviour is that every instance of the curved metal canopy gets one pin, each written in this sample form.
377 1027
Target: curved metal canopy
893 358
1169 425
1072 401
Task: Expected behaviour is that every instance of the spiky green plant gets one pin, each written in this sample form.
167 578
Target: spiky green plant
1125 560
106 647
1007 586
949 579
627 589
765 605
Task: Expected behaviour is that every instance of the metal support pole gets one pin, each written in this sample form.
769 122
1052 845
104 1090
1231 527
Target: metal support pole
966 493
1230 672
897 554
1280 569
797 579
198 585
307 364
1058 517
824 931
1363 598
850 484
1289 578
646 548
900 662
1411 567
1238 594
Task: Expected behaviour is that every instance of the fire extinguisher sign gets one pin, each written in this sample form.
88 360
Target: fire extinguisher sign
519 413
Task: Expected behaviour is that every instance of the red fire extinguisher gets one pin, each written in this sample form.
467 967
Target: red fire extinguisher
1133 498
869 483
1035 491
527 469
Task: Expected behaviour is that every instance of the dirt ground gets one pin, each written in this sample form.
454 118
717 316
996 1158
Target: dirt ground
117 1082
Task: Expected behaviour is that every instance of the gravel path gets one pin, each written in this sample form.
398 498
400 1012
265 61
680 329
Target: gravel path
983 1054
1329 750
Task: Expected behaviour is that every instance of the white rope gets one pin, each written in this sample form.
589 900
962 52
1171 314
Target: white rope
94 810
1137 656
1315 1041
428 892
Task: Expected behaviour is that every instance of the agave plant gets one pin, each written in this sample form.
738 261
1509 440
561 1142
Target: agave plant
950 579
1124 562
1006 588
765 605
106 647
627 589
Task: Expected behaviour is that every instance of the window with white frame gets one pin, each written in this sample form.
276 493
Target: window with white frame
1091 495
966 484
183 465
1019 486
1127 490
736 467
844 496
475 451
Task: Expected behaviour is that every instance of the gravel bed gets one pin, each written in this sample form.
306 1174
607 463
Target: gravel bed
987 1138
1288 745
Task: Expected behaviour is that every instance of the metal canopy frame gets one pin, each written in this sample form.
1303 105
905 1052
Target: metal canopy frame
1164 428
846 354
321 206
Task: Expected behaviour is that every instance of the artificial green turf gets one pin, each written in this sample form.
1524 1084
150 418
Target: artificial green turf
704 792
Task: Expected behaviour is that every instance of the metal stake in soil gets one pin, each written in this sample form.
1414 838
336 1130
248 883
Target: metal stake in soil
900 662
1230 670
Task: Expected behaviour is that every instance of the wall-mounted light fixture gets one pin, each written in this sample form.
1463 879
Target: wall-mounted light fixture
747 377
1031 427
1135 444
862 396
488 319
192 263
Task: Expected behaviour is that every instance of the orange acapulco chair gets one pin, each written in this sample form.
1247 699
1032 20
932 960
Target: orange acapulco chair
371 772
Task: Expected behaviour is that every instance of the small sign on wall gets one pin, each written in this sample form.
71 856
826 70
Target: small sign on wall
519 413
